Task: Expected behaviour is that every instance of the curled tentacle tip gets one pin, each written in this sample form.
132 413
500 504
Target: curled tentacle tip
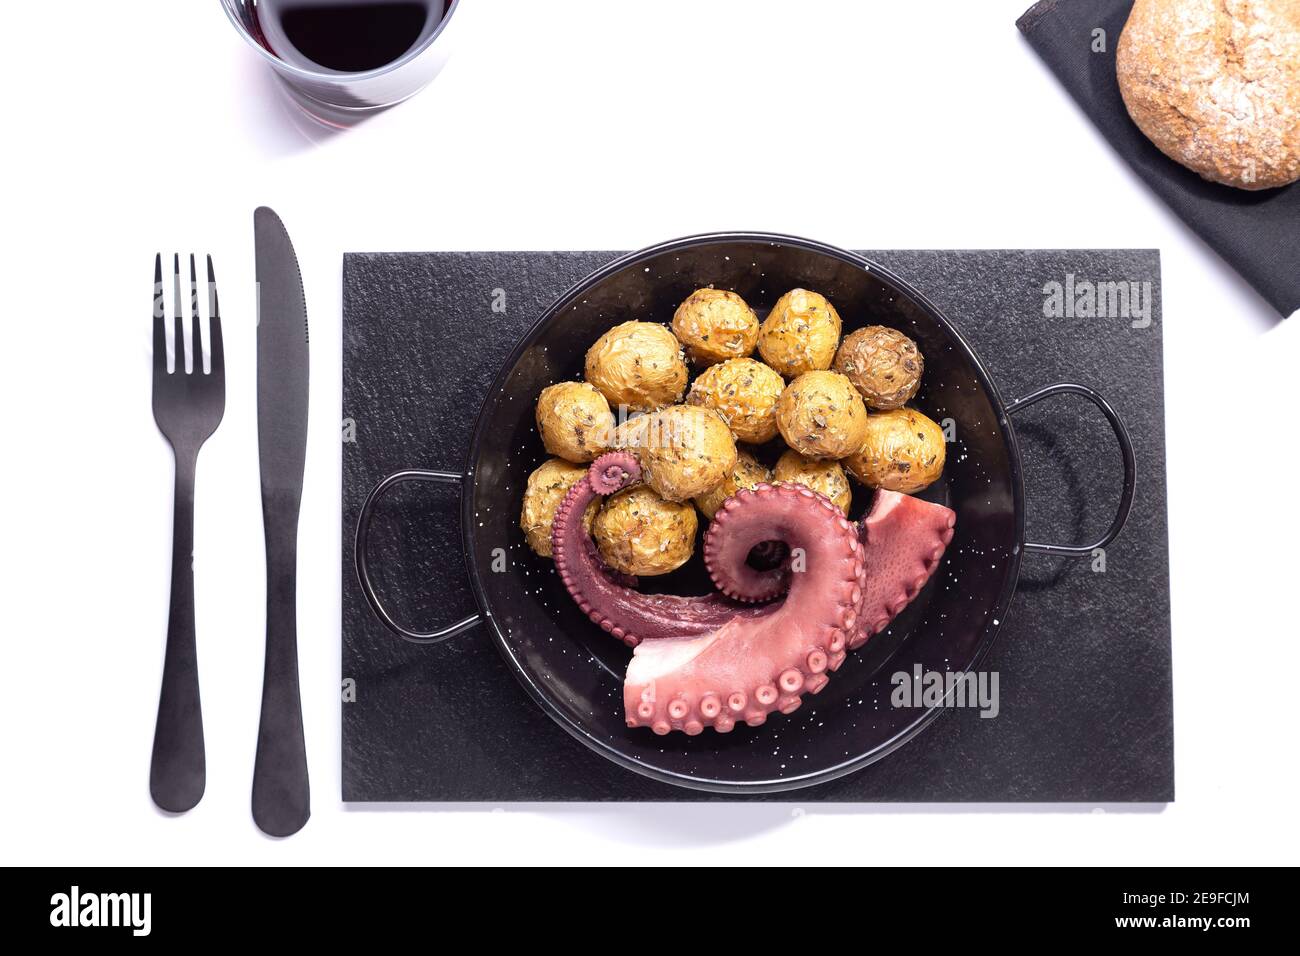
612 471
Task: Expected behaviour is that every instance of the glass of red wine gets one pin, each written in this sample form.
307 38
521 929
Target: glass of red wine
341 60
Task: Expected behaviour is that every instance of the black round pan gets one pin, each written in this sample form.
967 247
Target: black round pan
575 671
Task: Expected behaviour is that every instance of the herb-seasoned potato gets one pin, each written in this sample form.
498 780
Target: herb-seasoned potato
800 334
883 364
685 451
744 392
547 487
824 477
749 471
821 415
630 433
903 451
638 365
715 325
638 532
574 420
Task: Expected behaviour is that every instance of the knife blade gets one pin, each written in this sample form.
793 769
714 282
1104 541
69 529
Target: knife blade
281 794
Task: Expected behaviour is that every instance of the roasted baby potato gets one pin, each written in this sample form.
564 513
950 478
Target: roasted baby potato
744 393
824 477
749 471
903 451
638 532
685 451
821 415
546 488
800 334
574 420
883 364
630 433
715 325
638 365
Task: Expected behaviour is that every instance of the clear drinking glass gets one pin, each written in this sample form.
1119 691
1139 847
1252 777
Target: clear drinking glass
335 97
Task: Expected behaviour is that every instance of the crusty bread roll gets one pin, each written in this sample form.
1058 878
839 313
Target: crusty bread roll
1215 84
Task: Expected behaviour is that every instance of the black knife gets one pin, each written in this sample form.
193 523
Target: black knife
281 796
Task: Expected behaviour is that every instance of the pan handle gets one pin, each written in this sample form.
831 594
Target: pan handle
1125 447
362 561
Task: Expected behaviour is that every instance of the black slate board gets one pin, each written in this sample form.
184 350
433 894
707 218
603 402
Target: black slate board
1086 709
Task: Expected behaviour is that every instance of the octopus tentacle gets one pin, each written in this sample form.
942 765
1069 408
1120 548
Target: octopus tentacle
726 555
717 660
903 540
606 596
746 669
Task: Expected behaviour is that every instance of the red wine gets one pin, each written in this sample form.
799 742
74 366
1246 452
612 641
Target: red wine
350 36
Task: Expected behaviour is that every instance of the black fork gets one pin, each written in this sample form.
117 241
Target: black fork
187 407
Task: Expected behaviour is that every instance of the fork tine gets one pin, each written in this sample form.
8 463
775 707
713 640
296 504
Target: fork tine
196 333
178 314
159 320
215 346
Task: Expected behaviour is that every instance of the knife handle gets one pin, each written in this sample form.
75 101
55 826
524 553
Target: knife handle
281 794
177 769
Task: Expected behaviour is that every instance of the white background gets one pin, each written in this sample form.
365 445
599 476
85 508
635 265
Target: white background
136 127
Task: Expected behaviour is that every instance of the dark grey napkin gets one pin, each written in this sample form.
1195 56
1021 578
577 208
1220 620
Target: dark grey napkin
1257 233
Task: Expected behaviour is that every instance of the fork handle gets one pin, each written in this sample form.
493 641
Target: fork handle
177 771
281 793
